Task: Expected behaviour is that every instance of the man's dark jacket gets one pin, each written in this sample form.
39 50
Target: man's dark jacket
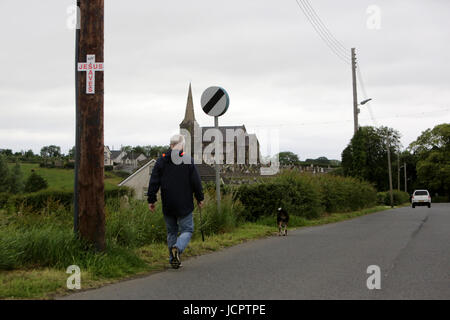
178 183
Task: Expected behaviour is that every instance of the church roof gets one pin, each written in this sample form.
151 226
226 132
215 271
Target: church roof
189 115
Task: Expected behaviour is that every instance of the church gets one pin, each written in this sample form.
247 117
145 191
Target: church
239 147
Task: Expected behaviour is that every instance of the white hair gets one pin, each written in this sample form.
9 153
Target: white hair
177 140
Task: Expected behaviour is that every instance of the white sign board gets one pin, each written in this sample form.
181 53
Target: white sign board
90 67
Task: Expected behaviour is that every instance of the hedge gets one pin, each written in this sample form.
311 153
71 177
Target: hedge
43 199
399 197
345 194
306 195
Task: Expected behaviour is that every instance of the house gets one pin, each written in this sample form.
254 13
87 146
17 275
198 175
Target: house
133 159
107 156
116 156
138 181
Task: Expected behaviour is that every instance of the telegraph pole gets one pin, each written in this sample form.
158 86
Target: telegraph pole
406 180
77 121
355 94
90 90
390 171
398 171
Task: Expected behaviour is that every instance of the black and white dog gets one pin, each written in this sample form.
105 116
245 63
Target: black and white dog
282 221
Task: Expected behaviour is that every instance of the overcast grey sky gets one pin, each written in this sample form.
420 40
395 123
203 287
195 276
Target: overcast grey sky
277 71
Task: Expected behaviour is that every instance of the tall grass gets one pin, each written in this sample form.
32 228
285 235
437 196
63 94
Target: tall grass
47 240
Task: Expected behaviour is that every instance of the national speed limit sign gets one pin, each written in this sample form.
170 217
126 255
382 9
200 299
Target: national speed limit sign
215 101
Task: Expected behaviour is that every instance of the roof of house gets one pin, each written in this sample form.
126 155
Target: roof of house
137 172
115 153
134 156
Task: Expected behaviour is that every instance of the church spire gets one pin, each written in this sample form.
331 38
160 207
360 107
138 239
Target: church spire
189 115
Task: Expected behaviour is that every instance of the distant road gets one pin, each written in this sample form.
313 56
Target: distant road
411 247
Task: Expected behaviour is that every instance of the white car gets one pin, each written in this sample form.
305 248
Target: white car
421 198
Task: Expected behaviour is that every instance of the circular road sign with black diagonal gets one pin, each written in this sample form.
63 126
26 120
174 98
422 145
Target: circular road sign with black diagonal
215 101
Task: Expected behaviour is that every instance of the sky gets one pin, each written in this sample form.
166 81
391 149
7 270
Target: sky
283 81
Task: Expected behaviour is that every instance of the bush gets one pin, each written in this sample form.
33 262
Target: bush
4 174
35 183
4 197
399 197
435 199
51 199
16 181
292 191
345 194
305 195
215 222
69 165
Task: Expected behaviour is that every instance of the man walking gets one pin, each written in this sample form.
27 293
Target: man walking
177 176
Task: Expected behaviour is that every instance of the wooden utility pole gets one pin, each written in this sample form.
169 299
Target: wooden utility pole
406 180
388 142
355 94
90 175
77 120
398 171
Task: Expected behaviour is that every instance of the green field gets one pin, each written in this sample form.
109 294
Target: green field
62 179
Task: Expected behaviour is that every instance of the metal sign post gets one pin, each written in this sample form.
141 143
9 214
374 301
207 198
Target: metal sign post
217 168
215 102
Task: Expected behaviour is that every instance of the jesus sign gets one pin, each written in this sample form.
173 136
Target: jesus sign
90 67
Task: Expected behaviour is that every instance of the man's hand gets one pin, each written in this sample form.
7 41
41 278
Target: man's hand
151 206
200 204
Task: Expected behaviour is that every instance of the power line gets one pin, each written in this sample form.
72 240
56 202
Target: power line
363 89
346 121
333 39
321 33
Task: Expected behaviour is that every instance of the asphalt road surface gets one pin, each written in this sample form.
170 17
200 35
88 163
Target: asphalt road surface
410 246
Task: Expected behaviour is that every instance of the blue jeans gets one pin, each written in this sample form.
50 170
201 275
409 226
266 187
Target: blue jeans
184 225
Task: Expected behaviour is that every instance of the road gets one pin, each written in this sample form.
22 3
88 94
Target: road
411 247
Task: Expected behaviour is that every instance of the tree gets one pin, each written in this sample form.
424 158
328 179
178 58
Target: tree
126 149
16 183
7 152
432 149
365 156
71 154
319 161
288 158
35 183
51 151
4 174
138 150
29 154
411 173
156 151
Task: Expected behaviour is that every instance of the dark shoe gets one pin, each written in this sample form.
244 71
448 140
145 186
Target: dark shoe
176 261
